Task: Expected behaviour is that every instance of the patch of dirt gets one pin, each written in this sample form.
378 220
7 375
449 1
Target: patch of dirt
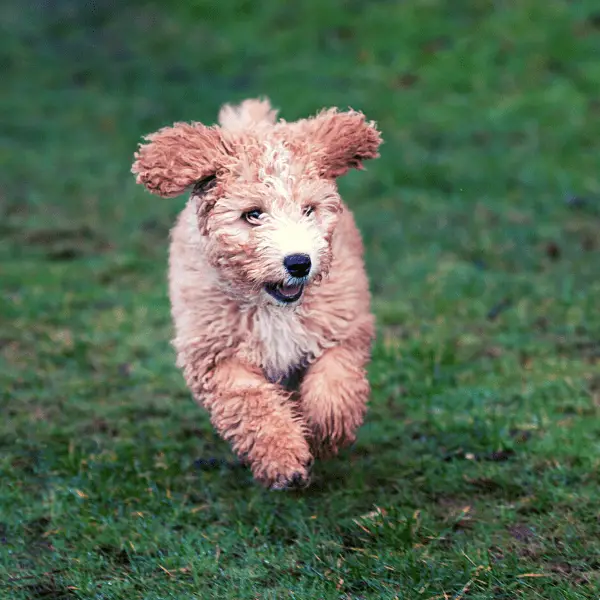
520 435
394 404
499 308
496 553
458 513
212 464
494 456
62 244
405 81
585 349
493 352
352 540
100 425
553 251
39 542
594 389
486 486
27 461
583 203
528 508
575 574
500 455
47 588
589 243
116 555
521 532
156 227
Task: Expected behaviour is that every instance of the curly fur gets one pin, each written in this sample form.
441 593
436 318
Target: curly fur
238 346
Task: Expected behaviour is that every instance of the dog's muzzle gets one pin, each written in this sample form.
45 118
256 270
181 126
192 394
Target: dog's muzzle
284 293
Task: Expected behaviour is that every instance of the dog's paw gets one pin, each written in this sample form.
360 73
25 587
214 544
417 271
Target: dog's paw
286 475
282 462
298 480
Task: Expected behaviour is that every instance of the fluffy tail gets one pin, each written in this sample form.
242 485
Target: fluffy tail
250 114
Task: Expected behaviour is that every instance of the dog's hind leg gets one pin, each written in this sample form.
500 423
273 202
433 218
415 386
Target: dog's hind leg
255 417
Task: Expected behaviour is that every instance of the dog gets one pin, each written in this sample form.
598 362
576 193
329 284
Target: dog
269 296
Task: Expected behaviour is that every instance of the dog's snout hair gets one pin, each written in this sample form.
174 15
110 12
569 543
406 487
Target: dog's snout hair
298 238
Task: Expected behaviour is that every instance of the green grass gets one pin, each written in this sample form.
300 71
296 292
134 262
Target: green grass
476 473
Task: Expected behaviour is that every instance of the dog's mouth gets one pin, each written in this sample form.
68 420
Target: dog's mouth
287 294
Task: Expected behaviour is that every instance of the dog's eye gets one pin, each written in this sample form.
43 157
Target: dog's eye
308 210
252 216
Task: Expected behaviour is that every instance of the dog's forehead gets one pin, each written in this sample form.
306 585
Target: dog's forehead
288 172
274 163
284 157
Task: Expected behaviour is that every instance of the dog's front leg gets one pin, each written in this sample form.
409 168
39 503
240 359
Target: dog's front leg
254 416
334 394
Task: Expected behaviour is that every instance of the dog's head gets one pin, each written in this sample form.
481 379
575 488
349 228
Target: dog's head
266 196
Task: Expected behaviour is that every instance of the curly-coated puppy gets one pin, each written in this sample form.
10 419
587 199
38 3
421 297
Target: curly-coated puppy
269 294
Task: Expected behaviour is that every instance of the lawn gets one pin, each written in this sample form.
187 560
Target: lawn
476 474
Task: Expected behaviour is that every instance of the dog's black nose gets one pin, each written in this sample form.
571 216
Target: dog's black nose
297 265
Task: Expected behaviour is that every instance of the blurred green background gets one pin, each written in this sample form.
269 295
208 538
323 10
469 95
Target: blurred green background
476 473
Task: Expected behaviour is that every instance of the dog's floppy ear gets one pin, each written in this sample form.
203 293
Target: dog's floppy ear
345 140
174 158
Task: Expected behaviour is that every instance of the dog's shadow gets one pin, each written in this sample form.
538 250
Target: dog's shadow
353 468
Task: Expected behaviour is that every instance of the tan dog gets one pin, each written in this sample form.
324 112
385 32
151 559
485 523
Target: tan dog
269 295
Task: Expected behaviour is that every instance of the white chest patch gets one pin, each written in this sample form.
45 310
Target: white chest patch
282 342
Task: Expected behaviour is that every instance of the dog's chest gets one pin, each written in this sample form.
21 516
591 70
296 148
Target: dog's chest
283 343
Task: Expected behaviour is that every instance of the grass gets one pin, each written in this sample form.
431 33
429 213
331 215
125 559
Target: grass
476 473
